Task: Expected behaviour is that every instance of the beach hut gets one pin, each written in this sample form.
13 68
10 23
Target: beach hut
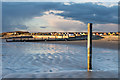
21 32
71 35
8 33
104 33
86 33
117 33
97 33
109 33
93 33
113 33
101 33
77 34
33 33
83 33
80 33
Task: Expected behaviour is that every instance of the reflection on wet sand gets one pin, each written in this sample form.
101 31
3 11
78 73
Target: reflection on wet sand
51 57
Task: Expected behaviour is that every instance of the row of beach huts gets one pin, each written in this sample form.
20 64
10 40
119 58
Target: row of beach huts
50 36
58 33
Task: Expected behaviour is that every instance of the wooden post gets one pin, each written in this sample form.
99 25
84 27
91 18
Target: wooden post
89 45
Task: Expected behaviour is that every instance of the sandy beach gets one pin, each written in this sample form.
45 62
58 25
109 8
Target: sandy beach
67 74
50 59
95 43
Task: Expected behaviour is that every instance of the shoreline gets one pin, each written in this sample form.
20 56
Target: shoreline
107 43
95 43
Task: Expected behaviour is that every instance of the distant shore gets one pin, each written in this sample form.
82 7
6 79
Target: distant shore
108 42
95 43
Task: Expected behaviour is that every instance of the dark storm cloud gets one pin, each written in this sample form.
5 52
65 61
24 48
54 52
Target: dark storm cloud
88 12
15 13
43 27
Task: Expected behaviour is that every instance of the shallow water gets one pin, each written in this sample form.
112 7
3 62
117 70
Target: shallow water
36 57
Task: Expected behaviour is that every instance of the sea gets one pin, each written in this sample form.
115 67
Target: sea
43 57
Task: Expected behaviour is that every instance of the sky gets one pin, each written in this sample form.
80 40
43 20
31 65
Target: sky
56 16
60 0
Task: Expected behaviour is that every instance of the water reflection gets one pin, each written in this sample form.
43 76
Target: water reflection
28 57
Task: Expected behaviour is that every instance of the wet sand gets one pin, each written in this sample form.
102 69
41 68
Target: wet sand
95 43
75 74
67 74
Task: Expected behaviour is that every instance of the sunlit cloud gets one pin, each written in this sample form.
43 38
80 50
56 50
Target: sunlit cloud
106 4
67 3
53 12
60 0
54 23
67 16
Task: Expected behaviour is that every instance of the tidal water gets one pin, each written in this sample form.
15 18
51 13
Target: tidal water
38 57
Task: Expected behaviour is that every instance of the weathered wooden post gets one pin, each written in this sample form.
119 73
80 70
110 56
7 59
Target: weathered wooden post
89 46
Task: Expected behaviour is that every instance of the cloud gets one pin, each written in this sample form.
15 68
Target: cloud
106 4
67 3
16 13
88 12
105 27
43 27
60 0
32 15
53 12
